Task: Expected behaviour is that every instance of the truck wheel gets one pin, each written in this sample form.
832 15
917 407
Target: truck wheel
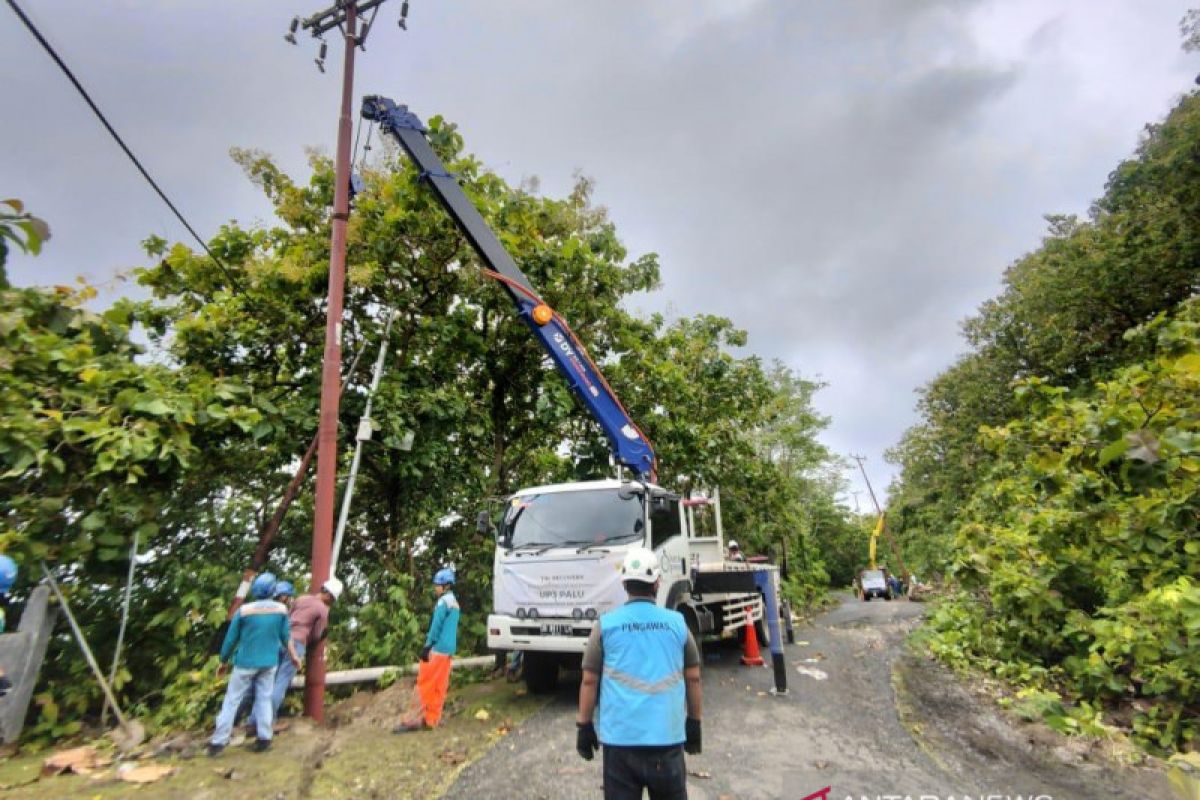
541 672
761 633
693 626
785 622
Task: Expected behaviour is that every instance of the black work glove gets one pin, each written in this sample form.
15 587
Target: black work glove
692 745
5 685
586 743
425 652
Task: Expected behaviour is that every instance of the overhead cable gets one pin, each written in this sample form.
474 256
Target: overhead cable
104 121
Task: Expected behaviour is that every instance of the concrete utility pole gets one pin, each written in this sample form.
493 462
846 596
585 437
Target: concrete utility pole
343 15
886 531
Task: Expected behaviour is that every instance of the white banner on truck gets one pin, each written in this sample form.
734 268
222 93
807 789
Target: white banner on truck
557 586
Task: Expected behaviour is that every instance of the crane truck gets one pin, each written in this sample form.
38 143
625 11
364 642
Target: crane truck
559 548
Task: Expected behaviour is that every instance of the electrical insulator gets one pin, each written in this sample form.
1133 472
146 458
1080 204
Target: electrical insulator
291 34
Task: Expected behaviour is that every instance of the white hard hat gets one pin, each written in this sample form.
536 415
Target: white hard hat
733 545
333 586
640 565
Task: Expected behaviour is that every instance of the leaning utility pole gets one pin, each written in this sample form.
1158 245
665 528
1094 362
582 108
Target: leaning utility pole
886 531
343 15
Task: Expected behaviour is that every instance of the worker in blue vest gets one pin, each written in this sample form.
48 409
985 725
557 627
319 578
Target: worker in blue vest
644 665
8 576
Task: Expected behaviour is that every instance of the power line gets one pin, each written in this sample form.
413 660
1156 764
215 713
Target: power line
104 121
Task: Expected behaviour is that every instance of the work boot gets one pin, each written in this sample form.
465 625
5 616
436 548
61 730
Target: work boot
214 750
411 727
262 745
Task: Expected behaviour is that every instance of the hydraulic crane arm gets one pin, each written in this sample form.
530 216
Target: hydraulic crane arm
629 445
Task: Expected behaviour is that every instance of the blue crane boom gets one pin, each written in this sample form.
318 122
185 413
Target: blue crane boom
629 445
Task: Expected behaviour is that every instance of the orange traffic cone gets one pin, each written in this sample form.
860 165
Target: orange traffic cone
750 655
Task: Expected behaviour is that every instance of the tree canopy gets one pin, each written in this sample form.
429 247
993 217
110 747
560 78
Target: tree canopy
1052 475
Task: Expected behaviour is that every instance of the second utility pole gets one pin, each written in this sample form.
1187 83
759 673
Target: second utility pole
878 510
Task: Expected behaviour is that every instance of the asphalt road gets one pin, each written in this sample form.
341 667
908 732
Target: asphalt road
839 726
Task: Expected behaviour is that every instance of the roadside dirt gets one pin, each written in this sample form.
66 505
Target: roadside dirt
354 756
959 727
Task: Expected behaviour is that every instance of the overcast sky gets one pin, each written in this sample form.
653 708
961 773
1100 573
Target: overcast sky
846 180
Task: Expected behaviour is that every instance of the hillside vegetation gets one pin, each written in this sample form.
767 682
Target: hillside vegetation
1053 477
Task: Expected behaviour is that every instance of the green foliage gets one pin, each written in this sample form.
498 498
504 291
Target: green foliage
1079 553
89 437
842 540
189 700
21 228
1061 318
385 630
1053 477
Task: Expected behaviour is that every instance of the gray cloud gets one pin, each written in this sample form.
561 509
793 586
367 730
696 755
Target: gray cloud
844 180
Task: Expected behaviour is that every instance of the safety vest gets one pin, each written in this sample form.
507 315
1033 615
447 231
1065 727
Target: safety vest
641 684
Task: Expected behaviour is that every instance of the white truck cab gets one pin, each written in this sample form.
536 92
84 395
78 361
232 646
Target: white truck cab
558 558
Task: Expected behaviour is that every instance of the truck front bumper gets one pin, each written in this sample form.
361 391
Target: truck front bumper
550 635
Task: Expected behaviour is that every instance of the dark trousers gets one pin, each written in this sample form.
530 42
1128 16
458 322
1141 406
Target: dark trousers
629 770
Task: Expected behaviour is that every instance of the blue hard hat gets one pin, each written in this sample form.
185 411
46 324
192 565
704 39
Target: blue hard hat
8 573
285 589
444 577
263 586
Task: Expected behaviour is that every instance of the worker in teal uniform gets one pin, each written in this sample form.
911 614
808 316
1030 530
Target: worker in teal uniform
433 674
258 630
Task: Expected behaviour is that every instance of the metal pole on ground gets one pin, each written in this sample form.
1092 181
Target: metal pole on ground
132 731
112 672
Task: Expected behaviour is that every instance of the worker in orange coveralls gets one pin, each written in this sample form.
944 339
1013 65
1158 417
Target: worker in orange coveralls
433 675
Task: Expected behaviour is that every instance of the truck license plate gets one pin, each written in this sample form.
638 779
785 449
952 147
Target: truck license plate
556 629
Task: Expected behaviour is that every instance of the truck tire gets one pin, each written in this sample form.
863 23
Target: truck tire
762 634
785 622
693 626
541 672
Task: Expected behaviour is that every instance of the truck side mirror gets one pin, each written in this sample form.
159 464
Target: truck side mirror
663 503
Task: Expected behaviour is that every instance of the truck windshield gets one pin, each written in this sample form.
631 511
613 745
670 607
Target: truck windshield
589 517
